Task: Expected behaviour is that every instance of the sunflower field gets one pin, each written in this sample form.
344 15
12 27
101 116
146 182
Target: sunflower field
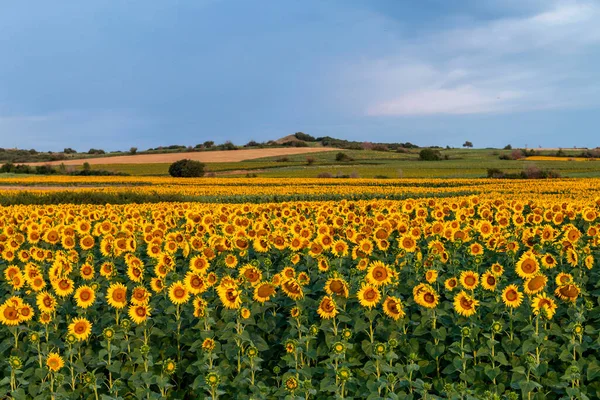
457 297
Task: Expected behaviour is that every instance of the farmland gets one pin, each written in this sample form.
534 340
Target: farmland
376 164
299 288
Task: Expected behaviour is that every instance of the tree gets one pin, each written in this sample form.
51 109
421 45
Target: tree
69 150
133 150
430 155
86 166
187 169
208 144
467 144
508 147
304 136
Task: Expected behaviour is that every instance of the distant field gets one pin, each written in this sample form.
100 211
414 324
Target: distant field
204 156
292 163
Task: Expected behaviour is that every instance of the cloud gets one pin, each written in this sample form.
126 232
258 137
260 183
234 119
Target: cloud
539 61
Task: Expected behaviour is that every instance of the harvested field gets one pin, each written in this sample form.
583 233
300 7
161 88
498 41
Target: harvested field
204 156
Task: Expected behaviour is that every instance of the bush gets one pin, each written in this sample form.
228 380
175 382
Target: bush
430 155
508 147
304 136
187 169
310 160
343 157
325 175
133 150
283 159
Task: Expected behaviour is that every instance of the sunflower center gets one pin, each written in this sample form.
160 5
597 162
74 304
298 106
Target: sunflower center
370 294
265 291
511 295
529 266
85 295
470 280
466 303
79 327
179 292
336 286
429 298
380 274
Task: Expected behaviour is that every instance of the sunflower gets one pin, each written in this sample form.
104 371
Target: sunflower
199 264
497 269
292 288
563 278
339 248
572 257
208 344
178 293
392 307
336 286
86 242
368 296
548 261
37 283
9 314
135 272
568 292
543 302
476 249
588 261
63 287
139 313
85 296
511 296
81 328
465 304
450 284
431 275
86 271
140 296
469 279
245 313
25 313
527 266
407 243
327 308
489 281
535 284
251 274
379 274
195 283
54 362
46 302
231 261
116 295
263 291
288 273
428 298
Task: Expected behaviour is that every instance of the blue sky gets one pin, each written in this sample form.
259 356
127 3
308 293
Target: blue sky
116 74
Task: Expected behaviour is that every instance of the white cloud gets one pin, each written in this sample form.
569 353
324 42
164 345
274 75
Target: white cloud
517 64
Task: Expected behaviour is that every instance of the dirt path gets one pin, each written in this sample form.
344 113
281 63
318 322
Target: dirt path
204 156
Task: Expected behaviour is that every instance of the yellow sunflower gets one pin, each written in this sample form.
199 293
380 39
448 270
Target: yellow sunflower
535 284
431 275
568 292
464 304
336 286
140 296
46 302
543 302
497 269
392 307
178 293
450 284
563 278
85 296
489 281
428 298
81 328
139 313
469 279
327 308
54 362
379 274
63 287
548 261
157 285
263 291
251 274
195 283
86 271
368 296
292 289
511 296
116 295
527 266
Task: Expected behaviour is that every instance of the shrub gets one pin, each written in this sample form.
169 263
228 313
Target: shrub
325 175
310 160
304 136
133 150
508 147
283 159
430 155
343 157
187 169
